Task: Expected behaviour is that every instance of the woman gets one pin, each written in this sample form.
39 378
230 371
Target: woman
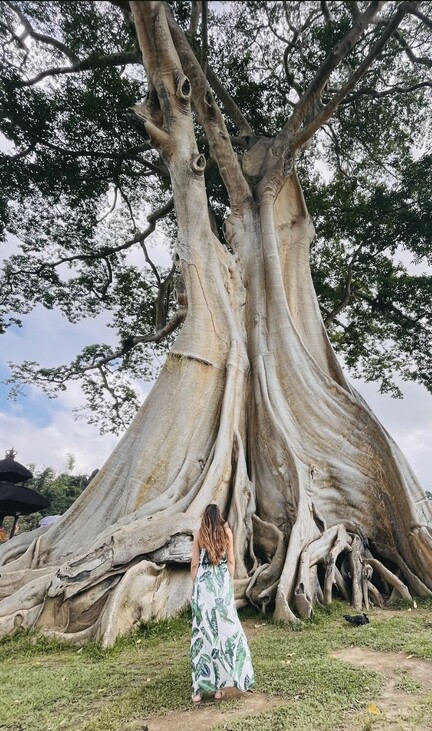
219 651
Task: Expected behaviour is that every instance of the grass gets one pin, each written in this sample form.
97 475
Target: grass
47 686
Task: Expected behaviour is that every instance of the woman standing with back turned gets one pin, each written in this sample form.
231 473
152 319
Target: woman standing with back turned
219 653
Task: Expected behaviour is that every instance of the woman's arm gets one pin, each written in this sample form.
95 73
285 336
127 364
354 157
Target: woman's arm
195 556
230 551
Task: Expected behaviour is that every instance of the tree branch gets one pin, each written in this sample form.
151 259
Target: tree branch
290 76
353 8
313 93
424 18
230 106
210 118
155 337
378 303
422 60
87 64
386 92
29 31
103 253
301 137
326 12
204 36
347 290
195 16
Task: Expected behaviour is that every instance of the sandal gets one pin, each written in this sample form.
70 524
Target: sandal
196 699
218 695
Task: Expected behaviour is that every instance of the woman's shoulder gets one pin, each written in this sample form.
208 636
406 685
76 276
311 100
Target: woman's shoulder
227 529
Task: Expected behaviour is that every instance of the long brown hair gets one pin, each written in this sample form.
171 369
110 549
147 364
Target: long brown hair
213 534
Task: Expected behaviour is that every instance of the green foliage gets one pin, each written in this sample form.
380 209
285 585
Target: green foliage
77 182
60 488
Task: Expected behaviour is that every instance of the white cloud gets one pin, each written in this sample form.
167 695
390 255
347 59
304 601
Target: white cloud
49 446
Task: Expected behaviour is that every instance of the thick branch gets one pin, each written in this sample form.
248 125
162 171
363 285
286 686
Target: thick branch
204 36
326 12
424 18
211 119
367 91
306 133
307 102
195 16
132 154
421 60
230 106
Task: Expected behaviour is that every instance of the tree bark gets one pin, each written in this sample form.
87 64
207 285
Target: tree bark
251 411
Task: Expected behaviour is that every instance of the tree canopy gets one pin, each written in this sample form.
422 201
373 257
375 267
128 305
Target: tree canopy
85 193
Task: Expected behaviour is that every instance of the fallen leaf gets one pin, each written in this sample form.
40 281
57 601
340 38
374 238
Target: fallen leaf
409 657
372 708
414 604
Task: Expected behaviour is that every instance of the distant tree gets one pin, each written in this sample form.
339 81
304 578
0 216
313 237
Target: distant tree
60 488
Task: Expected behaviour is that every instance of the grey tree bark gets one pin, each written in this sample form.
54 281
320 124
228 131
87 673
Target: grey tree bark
251 411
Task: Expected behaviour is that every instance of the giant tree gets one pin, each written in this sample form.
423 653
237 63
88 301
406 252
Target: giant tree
251 409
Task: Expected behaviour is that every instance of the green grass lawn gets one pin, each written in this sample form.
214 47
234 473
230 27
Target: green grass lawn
45 686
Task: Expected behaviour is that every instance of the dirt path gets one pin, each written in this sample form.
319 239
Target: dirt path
395 706
208 714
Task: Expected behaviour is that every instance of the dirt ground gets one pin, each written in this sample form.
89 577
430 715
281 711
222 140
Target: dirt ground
392 710
394 706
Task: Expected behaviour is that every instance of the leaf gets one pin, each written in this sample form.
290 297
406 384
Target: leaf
240 658
216 673
372 708
229 648
196 648
202 666
208 579
222 609
206 686
212 621
196 612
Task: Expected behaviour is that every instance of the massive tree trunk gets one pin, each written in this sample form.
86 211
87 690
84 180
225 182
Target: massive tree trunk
251 411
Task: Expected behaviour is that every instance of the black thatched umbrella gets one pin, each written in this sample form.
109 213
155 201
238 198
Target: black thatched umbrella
12 471
16 499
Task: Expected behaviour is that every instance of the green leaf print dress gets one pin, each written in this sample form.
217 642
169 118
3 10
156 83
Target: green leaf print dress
219 652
